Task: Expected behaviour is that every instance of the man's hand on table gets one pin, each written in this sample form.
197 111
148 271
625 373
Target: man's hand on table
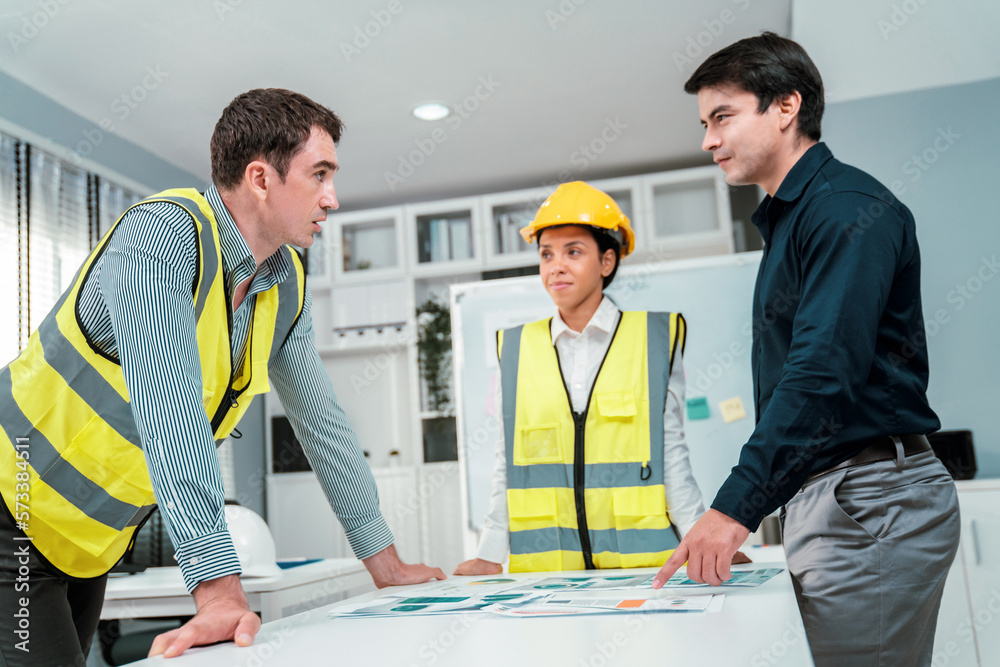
478 566
223 615
709 549
387 570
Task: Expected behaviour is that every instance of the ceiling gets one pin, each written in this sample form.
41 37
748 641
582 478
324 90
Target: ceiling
543 91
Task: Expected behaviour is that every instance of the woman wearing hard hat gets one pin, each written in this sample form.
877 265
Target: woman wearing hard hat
593 470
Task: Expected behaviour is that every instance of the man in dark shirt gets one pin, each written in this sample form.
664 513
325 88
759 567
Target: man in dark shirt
870 516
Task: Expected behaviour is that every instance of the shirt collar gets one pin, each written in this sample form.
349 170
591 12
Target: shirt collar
791 188
604 319
237 260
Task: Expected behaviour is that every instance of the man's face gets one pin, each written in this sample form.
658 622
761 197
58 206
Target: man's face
571 266
743 142
298 206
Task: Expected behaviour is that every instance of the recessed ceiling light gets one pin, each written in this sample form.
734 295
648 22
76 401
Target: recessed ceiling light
431 111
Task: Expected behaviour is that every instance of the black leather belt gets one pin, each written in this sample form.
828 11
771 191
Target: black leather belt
879 449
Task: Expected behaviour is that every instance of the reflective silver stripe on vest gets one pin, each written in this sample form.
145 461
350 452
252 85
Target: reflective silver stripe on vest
210 260
86 381
658 364
289 303
509 357
616 541
597 475
55 471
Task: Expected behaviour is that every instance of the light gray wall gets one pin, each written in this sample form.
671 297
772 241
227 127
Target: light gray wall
26 107
939 147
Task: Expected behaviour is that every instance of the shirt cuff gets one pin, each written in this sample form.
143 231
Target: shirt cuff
743 501
208 557
369 539
493 545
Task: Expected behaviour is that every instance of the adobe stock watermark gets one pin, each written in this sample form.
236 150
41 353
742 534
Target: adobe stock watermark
778 649
605 652
918 165
431 482
264 648
697 44
35 23
967 629
122 107
22 516
627 284
378 364
427 146
898 17
432 650
915 168
224 7
724 359
363 35
585 155
562 12
958 297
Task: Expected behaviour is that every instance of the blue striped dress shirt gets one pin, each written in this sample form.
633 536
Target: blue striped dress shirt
136 307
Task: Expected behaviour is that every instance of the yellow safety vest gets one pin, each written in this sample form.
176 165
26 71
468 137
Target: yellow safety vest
586 491
74 476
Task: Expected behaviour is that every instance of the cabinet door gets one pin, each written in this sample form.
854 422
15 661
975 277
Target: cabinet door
300 518
980 549
400 501
954 642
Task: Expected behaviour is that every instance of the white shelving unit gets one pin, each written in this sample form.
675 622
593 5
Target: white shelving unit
446 237
370 270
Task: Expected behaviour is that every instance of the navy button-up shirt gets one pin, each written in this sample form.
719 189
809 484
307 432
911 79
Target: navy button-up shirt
839 350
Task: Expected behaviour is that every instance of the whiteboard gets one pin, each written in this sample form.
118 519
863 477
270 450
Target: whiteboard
714 295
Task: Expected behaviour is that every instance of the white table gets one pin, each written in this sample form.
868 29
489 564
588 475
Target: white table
757 626
160 591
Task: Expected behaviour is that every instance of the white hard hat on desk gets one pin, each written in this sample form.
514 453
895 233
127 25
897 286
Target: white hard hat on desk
254 542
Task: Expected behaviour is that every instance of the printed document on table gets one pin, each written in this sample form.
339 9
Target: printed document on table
425 605
612 582
746 578
552 605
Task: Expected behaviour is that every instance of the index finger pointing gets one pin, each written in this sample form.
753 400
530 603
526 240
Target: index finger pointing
673 563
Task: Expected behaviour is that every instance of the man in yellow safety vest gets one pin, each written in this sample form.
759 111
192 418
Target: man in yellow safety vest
188 307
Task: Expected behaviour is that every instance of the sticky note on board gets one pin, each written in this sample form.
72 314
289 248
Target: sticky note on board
732 409
697 408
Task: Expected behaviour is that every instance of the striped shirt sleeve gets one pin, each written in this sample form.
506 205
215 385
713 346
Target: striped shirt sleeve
146 279
300 379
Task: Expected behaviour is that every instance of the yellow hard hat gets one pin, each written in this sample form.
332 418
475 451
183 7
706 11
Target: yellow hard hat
579 203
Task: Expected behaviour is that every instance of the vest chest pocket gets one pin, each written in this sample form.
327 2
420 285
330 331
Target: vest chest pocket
620 427
635 506
532 509
539 444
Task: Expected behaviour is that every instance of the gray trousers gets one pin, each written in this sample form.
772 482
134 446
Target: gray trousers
60 617
869 549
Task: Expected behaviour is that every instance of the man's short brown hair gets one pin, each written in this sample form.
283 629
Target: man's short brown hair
269 124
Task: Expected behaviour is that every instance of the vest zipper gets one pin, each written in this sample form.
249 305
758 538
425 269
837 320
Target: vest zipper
228 399
580 422
579 450
232 395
